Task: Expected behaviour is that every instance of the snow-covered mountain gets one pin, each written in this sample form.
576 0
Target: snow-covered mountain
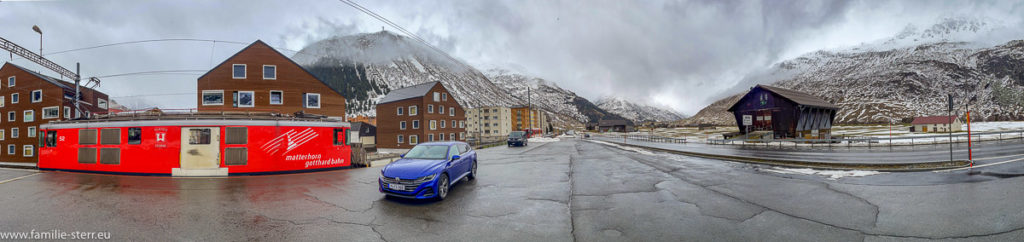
637 112
368 66
548 96
884 82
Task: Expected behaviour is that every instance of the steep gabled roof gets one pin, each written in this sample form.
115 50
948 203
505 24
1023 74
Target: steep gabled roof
934 120
797 97
414 91
54 81
278 53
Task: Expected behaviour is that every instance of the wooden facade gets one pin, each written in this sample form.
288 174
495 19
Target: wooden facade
267 81
38 96
783 113
412 115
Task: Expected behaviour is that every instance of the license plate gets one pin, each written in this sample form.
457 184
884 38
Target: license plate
396 187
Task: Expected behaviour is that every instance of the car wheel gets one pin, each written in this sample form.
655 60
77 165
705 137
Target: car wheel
472 172
442 187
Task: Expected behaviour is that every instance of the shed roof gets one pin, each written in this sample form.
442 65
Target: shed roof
413 91
612 122
54 81
933 120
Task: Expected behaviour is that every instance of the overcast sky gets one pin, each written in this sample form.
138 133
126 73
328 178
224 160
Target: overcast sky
680 54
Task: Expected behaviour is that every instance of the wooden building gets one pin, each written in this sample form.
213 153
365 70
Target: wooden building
419 113
774 112
615 125
936 124
260 79
29 99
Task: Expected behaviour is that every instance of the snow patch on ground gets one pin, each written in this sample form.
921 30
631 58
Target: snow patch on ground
629 148
542 139
831 174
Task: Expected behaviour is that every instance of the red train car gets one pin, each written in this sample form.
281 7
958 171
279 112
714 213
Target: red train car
194 147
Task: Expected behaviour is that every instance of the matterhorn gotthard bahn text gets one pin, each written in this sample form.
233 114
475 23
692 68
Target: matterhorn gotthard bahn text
370 65
908 75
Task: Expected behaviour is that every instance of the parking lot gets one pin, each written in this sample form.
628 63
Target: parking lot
557 191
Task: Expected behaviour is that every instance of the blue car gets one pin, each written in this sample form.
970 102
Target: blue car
428 170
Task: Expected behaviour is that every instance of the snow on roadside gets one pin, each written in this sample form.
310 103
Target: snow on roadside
542 139
629 148
831 174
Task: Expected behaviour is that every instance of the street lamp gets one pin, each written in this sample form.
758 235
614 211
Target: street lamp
36 28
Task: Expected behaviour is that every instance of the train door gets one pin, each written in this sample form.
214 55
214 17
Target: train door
200 148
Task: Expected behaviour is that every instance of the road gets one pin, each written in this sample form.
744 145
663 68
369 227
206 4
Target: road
571 190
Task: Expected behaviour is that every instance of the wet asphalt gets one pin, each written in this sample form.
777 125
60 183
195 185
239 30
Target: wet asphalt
572 190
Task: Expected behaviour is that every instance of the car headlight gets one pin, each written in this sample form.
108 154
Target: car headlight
426 178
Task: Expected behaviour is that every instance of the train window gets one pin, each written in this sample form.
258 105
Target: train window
236 135
110 136
87 155
134 136
339 136
110 156
235 156
51 138
199 137
86 136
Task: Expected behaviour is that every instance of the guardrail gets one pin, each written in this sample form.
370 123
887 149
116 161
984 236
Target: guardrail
885 141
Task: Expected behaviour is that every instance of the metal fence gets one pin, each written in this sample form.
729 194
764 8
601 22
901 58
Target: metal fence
840 140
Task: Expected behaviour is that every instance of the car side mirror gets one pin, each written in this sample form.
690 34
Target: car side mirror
401 156
456 157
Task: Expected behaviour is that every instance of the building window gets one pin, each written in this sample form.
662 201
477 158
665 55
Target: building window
134 136
451 136
437 96
401 139
213 97
413 110
414 139
444 96
269 72
51 112
430 137
245 99
37 96
401 125
451 111
14 132
462 135
27 151
440 137
101 103
31 131
67 112
453 124
442 124
238 71
462 124
3 134
10 149
2 98
415 124
10 81
440 109
276 97
400 110
433 125
312 100
29 116
430 108
15 98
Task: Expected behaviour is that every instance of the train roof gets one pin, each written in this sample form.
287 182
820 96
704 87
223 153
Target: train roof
195 119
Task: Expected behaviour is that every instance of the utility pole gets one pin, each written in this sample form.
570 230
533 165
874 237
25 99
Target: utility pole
529 109
949 113
78 93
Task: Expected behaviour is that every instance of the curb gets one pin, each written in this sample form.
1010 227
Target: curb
890 167
19 166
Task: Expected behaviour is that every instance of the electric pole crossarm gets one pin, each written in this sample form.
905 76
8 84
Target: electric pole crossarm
31 56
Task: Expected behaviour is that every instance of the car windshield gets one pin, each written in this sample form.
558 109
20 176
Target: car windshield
516 134
432 152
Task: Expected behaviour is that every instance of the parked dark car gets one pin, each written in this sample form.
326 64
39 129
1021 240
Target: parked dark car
428 170
517 138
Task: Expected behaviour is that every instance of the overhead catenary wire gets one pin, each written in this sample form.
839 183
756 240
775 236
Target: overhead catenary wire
396 26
